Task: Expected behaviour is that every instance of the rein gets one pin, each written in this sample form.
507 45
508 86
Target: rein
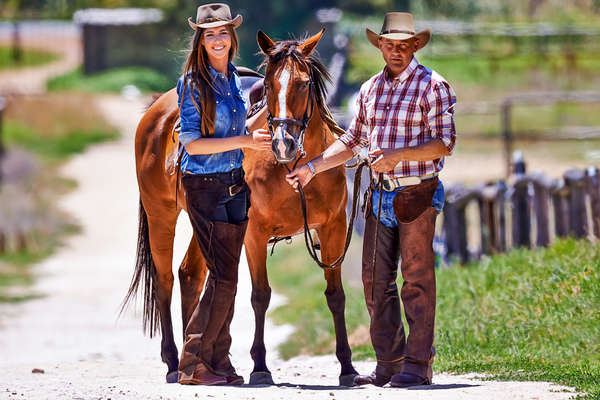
310 245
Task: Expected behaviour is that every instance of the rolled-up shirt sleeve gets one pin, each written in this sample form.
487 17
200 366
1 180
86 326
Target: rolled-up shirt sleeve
356 137
439 104
190 117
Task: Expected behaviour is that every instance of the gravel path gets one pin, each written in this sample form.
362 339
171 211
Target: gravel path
61 38
86 352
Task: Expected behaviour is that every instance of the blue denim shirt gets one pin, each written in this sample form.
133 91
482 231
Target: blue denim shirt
388 217
230 120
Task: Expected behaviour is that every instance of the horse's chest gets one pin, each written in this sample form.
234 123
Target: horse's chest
280 209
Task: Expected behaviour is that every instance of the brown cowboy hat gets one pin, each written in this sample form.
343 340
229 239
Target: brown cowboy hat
213 15
399 26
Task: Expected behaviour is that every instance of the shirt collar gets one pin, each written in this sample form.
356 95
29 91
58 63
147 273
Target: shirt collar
414 63
213 72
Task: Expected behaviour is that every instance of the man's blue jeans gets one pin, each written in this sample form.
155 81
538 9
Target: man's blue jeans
388 217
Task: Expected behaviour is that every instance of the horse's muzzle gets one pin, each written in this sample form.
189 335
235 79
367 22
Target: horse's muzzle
284 146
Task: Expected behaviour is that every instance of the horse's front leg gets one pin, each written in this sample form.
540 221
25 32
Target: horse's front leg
332 237
256 253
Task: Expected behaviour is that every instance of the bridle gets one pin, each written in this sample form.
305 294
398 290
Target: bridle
284 122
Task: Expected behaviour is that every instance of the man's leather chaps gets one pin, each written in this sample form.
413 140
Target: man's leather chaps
412 242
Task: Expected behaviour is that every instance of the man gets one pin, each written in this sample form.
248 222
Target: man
406 120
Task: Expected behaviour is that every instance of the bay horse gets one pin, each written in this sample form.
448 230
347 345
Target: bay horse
294 92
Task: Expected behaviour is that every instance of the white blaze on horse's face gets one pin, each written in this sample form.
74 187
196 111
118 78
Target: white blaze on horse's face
284 80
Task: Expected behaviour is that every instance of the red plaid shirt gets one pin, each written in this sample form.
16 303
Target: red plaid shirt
415 107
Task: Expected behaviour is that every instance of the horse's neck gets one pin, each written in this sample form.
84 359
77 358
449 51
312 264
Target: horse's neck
318 135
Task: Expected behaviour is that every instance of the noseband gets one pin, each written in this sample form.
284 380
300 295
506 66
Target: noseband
284 122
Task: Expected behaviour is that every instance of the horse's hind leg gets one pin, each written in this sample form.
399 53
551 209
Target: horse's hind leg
256 253
162 232
192 274
332 238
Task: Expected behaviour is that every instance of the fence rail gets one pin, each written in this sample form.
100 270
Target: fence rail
536 207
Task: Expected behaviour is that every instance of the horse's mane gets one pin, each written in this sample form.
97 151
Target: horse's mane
318 74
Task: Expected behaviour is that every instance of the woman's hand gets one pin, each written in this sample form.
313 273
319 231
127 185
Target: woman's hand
260 139
301 175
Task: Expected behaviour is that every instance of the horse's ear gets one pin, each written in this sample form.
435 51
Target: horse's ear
264 42
309 44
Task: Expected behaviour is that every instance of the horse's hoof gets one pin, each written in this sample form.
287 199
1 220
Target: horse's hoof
347 380
261 378
173 377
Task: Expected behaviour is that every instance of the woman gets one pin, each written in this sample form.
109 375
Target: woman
213 118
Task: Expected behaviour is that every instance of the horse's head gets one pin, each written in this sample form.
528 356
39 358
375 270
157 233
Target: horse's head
293 86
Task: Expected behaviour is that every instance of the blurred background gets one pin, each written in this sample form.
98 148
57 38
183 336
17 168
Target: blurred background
526 74
524 172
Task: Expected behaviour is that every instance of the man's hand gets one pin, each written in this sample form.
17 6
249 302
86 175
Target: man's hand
301 175
385 160
260 140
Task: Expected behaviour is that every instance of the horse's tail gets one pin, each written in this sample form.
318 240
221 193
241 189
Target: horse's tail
144 275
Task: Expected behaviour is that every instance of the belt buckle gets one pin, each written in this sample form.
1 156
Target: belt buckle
386 184
235 189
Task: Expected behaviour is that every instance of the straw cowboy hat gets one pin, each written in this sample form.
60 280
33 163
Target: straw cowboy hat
213 15
399 26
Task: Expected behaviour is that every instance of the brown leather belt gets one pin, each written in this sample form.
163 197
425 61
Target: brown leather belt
232 190
389 185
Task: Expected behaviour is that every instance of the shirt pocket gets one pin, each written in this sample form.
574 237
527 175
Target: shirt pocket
241 102
222 118
407 111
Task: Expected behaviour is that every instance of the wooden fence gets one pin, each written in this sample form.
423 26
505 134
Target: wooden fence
2 149
530 211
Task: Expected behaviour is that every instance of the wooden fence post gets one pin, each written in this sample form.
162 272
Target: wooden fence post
521 219
541 186
455 224
501 206
505 109
2 149
561 208
575 181
488 203
593 190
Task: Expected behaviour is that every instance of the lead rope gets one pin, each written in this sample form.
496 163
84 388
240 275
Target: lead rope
375 240
310 246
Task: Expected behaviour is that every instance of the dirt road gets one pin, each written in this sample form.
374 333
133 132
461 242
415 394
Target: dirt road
63 39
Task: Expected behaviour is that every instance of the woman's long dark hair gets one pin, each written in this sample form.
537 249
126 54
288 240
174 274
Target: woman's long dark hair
196 66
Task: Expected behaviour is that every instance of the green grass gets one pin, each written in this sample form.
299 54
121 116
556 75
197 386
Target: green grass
54 147
293 274
479 78
30 58
112 80
515 72
15 266
525 315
